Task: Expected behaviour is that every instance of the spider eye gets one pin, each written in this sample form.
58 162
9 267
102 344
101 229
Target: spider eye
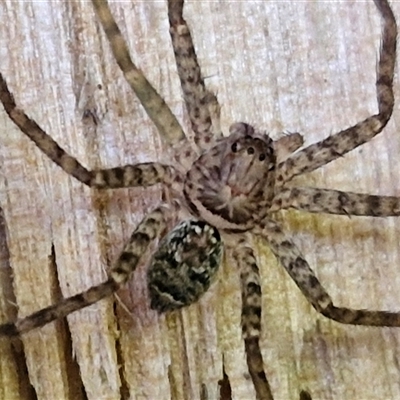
271 167
234 147
250 150
262 157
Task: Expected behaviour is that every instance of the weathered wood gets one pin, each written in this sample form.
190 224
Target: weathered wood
300 66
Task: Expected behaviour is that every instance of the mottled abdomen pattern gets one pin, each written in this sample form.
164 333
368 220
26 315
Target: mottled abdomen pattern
184 266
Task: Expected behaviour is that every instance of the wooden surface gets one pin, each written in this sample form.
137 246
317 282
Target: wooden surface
284 66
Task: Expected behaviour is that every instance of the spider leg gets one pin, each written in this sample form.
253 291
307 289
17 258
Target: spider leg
292 260
286 145
202 105
251 317
145 174
329 149
328 201
151 228
155 106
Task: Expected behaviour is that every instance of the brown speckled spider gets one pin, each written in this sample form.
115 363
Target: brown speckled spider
229 187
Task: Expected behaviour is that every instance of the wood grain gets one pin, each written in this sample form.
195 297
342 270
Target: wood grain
283 66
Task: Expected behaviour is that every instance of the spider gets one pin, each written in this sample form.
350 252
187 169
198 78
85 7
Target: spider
233 211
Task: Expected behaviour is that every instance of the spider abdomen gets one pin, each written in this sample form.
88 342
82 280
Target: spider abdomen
184 266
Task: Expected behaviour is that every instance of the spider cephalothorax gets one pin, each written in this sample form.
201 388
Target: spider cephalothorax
231 185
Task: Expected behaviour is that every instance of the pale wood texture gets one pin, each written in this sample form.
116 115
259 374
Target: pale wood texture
299 66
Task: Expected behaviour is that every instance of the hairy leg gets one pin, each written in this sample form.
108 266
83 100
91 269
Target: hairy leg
286 145
292 260
151 228
327 150
251 317
328 201
202 105
146 174
155 106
